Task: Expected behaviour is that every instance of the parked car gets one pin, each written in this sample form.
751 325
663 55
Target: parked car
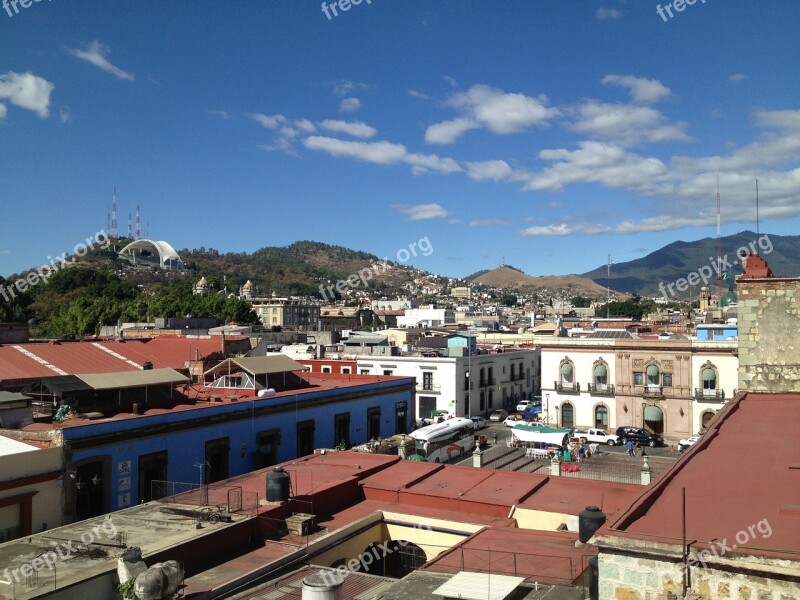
480 422
688 443
597 436
523 404
437 416
499 415
640 436
515 419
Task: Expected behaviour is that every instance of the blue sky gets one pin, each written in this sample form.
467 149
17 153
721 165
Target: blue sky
548 133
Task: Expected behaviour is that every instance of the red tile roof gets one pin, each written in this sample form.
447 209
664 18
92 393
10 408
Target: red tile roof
741 479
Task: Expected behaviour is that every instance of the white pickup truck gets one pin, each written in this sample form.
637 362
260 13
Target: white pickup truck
596 436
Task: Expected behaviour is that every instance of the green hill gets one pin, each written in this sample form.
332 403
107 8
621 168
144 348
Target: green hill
679 259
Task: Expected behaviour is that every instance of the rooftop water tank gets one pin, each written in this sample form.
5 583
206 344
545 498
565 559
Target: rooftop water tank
589 521
323 586
267 393
277 485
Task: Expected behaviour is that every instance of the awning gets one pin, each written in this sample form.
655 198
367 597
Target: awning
133 379
709 375
60 384
566 369
600 371
652 371
653 413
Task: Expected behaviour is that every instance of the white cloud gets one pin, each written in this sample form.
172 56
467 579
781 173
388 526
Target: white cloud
416 94
607 14
737 78
95 54
384 153
448 132
778 119
305 126
420 212
502 112
353 128
3 111
642 90
222 114
451 81
64 115
349 104
488 222
596 162
26 90
547 230
424 163
345 87
495 170
626 124
269 121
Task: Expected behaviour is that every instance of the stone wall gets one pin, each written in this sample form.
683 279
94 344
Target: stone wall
769 335
626 577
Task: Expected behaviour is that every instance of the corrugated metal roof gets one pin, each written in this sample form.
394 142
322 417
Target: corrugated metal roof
63 383
130 379
479 586
264 365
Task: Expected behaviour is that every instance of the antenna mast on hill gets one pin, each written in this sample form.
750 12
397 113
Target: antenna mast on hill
758 230
113 232
720 275
130 226
138 224
608 286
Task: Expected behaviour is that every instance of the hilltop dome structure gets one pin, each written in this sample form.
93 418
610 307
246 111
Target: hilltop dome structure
151 252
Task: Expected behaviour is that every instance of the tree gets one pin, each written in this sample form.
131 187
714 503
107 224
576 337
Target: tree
508 300
581 302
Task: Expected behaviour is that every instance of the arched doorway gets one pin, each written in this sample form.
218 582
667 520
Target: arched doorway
653 419
567 415
601 417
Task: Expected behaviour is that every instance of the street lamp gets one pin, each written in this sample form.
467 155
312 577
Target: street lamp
548 408
469 378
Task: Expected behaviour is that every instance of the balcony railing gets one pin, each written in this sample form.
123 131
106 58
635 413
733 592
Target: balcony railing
602 389
567 388
488 382
653 391
709 395
431 388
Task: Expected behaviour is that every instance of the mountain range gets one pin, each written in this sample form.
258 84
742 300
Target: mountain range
679 259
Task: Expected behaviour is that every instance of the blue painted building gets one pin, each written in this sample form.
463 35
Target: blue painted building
717 331
121 459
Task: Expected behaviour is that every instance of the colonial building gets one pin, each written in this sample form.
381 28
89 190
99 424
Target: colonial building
671 387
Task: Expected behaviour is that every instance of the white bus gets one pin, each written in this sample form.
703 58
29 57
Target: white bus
442 442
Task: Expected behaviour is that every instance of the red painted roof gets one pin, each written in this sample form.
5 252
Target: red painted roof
91 357
549 558
744 473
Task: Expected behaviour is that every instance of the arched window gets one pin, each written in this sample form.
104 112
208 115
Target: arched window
567 374
707 416
567 415
709 381
601 377
652 376
601 417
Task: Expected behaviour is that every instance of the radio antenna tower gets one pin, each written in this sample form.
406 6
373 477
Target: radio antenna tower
130 226
138 224
720 275
608 287
113 232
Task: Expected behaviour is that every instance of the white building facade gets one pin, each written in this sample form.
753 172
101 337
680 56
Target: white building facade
498 380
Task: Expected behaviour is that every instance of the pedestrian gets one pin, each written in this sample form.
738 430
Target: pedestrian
494 437
629 446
